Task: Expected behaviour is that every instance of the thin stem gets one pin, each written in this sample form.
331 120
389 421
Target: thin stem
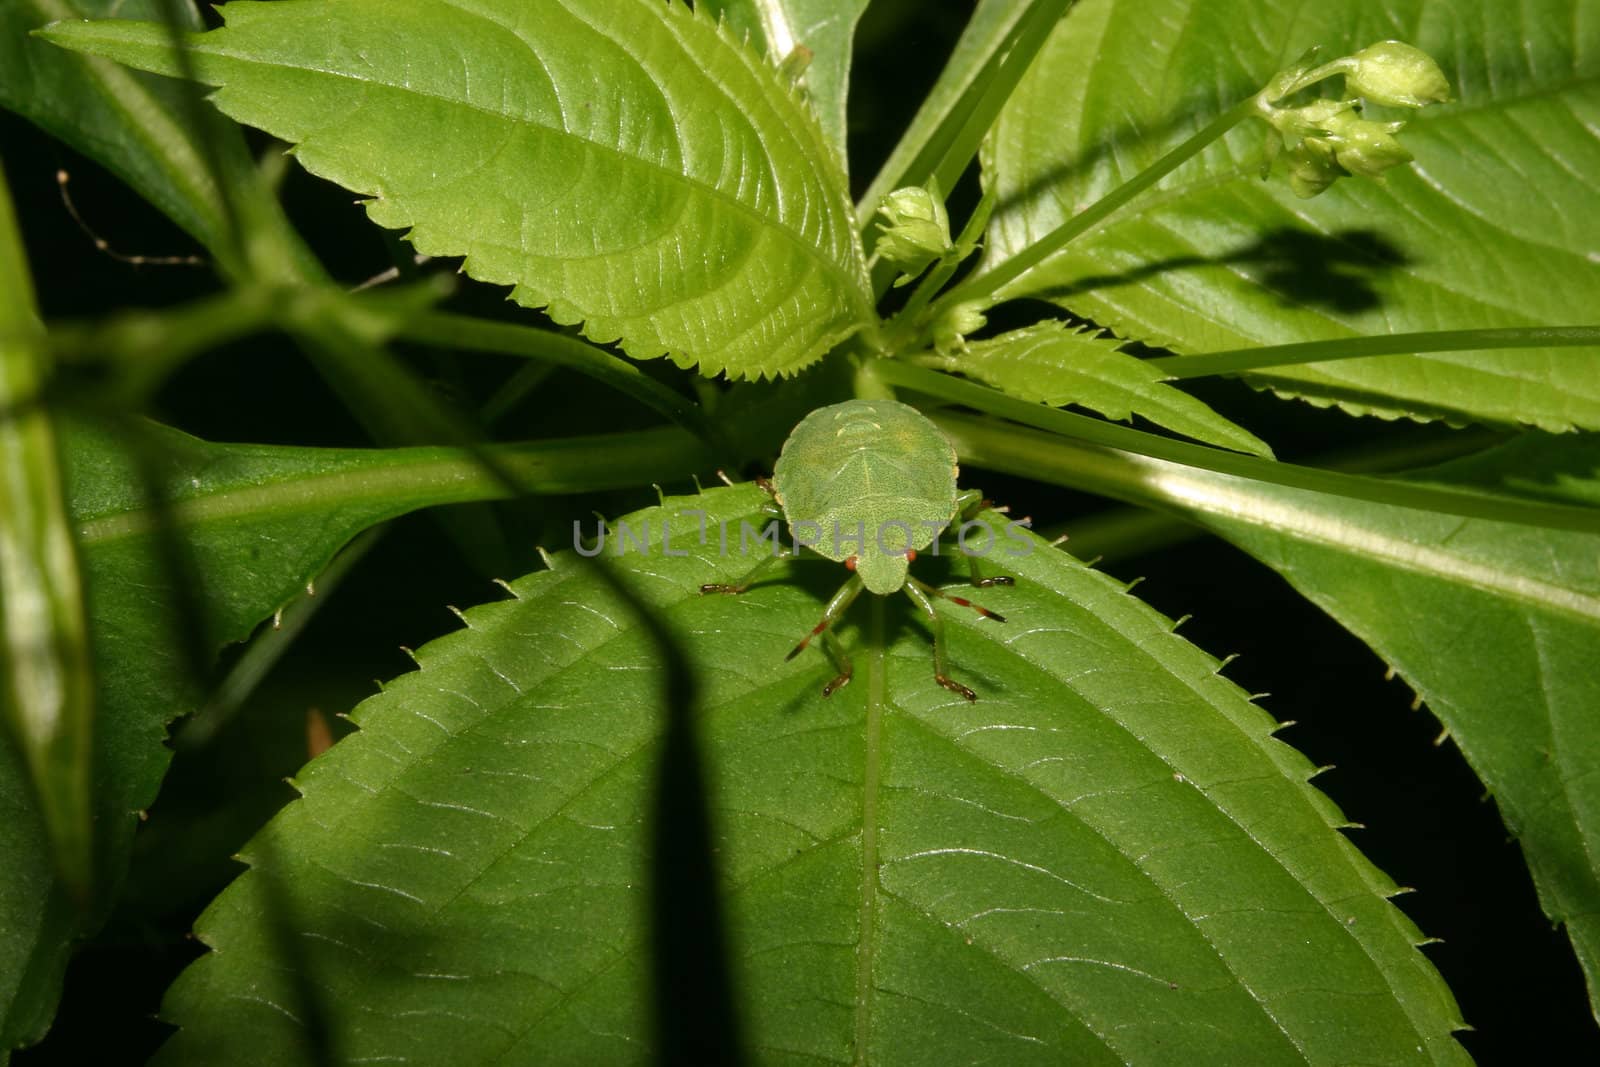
268 646
949 147
1237 360
1122 533
1102 443
985 285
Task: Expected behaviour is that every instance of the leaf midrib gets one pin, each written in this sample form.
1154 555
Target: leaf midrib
871 781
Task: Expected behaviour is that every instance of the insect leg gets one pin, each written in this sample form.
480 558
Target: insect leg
749 579
836 608
841 663
963 601
922 595
969 503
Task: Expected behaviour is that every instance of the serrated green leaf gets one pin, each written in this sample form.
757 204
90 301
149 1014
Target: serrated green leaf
1216 259
1497 628
824 28
256 523
1104 859
1056 365
1494 623
622 164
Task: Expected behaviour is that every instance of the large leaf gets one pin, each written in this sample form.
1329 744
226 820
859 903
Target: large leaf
623 164
250 525
824 28
1495 624
1497 628
1216 259
1107 858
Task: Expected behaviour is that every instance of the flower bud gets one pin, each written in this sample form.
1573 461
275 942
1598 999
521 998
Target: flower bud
915 228
1311 120
1367 148
1395 74
1312 167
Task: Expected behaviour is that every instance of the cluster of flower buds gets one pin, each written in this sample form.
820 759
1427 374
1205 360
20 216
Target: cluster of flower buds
1329 139
915 230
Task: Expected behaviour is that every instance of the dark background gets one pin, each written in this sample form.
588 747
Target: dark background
1428 823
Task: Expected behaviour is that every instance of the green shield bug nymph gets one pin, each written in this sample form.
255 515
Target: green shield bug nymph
870 483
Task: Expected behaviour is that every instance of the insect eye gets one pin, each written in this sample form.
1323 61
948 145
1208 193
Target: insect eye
911 554
850 563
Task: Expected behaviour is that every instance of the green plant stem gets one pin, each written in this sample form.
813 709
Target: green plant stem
945 152
514 390
142 348
986 285
1122 533
269 645
899 330
448 330
1121 447
47 691
950 149
1237 360
449 476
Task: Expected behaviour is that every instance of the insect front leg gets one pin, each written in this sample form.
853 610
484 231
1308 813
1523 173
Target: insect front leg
969 505
750 577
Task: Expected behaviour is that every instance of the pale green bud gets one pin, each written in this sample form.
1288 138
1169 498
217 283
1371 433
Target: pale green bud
1395 74
915 228
1367 148
1309 121
1312 167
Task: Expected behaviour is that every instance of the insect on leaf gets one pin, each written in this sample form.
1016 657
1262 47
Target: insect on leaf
1105 858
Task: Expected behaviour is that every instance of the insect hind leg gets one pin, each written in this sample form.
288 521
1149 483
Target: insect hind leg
922 594
837 606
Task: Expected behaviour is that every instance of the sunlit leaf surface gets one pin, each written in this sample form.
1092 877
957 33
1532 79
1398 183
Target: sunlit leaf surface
1105 858
623 163
1493 225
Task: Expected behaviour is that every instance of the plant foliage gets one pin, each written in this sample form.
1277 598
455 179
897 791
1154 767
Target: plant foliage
609 781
